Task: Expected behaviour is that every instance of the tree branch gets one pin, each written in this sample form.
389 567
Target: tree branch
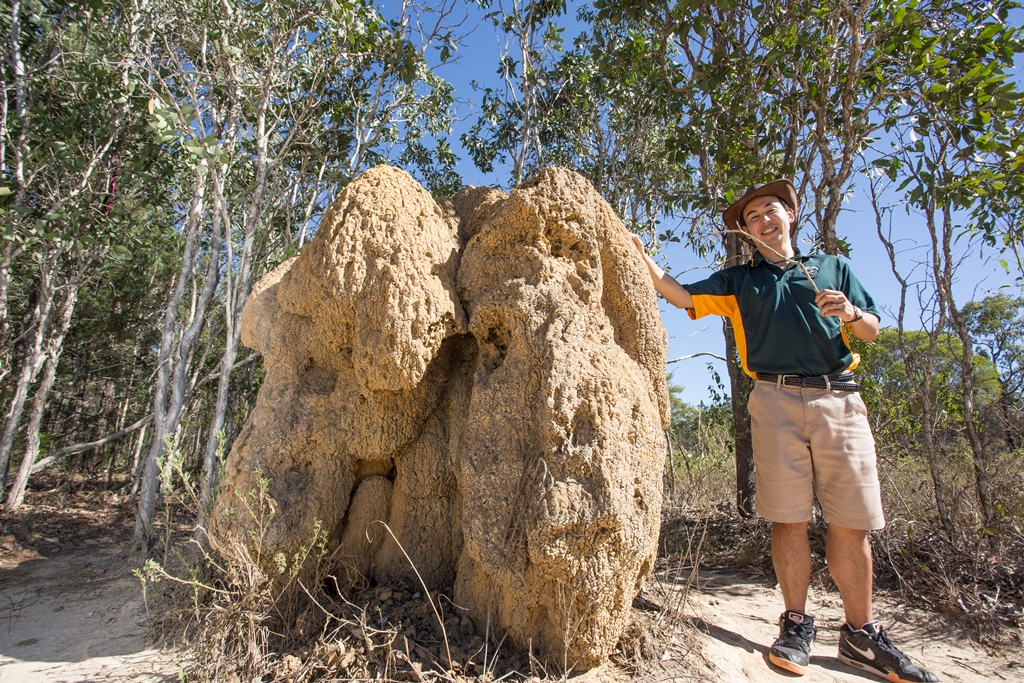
92 445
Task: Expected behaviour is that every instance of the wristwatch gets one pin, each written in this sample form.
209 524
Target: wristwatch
858 316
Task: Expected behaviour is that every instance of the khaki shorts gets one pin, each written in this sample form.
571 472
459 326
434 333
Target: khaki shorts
813 441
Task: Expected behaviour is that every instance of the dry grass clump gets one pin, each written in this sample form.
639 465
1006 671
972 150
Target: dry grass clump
296 621
721 528
662 639
977 574
306 619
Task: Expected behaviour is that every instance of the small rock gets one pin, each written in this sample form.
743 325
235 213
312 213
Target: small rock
385 594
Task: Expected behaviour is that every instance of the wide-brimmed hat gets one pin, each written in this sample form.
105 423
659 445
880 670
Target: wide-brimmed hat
782 188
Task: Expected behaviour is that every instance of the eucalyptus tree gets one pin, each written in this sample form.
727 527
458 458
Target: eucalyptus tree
62 138
698 56
938 151
919 356
996 326
267 109
508 129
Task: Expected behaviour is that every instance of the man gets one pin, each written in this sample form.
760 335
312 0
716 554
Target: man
809 425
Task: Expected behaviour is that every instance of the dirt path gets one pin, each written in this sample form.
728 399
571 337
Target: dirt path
78 616
738 620
74 616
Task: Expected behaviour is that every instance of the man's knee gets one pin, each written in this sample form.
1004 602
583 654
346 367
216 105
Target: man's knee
789 528
789 538
845 533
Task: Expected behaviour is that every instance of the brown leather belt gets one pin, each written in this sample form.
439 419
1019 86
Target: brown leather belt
840 381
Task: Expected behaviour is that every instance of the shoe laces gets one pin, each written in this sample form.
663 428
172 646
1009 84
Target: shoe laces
884 643
802 631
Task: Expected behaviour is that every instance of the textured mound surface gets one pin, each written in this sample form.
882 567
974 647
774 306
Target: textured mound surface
485 374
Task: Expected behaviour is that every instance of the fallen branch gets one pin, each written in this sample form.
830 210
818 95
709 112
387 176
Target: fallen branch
79 447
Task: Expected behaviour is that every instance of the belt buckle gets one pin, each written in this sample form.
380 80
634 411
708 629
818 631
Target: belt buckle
799 380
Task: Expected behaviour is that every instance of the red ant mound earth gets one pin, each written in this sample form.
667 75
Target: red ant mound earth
485 375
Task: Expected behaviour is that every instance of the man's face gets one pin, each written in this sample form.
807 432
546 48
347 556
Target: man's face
769 220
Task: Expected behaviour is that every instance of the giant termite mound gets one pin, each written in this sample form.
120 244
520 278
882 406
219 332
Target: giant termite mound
486 375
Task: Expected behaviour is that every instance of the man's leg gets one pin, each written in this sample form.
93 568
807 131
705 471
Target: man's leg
849 561
863 643
791 555
785 484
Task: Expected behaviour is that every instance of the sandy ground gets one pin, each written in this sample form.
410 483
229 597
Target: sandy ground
738 620
76 616
79 616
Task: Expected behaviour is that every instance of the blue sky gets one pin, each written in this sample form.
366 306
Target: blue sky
978 275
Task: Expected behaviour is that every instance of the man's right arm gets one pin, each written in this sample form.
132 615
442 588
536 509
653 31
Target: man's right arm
666 285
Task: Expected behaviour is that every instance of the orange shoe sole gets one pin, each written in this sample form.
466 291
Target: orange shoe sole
787 665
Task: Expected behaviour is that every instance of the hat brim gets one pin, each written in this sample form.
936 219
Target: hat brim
783 189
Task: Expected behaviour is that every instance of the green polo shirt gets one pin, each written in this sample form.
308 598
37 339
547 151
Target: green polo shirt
778 327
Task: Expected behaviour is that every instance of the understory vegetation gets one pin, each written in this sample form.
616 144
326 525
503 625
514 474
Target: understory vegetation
157 158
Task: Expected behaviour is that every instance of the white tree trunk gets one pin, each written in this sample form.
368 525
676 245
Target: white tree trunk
54 346
148 481
33 357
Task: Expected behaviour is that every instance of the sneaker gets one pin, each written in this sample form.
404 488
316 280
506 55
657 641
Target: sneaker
792 649
869 649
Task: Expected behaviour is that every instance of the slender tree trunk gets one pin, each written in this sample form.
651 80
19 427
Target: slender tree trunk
931 454
175 393
54 346
237 291
149 468
10 253
740 386
39 320
919 373
966 369
671 469
132 488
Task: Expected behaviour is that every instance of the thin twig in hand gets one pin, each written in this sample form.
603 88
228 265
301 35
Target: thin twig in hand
760 243
694 355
